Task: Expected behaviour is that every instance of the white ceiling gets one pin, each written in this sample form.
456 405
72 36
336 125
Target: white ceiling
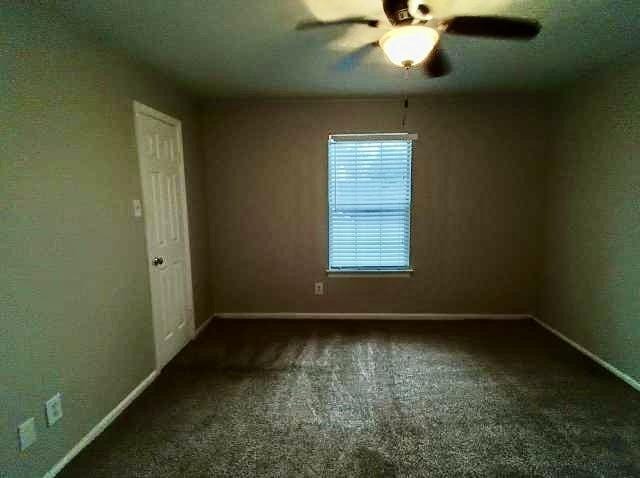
222 48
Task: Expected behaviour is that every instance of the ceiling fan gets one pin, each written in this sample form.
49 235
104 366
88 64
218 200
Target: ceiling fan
415 36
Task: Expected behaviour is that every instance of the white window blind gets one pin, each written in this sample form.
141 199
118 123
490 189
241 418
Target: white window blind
369 202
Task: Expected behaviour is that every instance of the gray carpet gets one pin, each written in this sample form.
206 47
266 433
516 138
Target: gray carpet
368 399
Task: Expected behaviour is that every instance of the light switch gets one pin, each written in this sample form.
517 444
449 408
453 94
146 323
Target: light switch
137 208
319 288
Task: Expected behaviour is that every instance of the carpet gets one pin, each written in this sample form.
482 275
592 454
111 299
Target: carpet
374 399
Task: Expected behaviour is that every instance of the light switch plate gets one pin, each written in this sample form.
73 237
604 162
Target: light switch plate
54 409
27 433
319 288
137 208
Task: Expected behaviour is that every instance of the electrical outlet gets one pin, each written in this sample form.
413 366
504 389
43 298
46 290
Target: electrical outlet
27 433
319 288
54 409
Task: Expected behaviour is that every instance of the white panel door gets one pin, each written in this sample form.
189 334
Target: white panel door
162 171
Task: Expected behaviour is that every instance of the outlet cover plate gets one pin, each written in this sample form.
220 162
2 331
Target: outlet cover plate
27 433
54 409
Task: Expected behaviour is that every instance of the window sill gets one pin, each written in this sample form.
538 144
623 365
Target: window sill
346 273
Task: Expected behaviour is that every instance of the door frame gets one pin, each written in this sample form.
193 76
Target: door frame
141 109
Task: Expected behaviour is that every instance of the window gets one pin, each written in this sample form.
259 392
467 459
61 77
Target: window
369 202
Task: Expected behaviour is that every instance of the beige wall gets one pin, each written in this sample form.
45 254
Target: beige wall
75 312
477 211
592 276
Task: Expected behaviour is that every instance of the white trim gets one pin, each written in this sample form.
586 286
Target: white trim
365 316
102 425
382 274
621 375
373 137
148 111
187 235
203 326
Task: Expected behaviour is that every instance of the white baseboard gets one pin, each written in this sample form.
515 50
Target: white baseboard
366 316
102 425
203 326
621 375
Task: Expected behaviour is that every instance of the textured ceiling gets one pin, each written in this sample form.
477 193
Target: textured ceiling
251 48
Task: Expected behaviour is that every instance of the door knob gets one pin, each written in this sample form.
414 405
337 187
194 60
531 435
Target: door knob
157 261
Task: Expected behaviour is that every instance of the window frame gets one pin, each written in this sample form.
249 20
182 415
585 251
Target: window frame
395 272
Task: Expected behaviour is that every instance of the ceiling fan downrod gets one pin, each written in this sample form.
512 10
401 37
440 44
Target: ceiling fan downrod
397 12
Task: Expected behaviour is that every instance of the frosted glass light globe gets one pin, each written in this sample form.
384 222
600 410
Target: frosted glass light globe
409 46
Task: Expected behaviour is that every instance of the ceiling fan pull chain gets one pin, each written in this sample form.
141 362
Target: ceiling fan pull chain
405 111
406 98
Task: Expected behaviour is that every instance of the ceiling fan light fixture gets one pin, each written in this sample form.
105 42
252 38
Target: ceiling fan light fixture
409 46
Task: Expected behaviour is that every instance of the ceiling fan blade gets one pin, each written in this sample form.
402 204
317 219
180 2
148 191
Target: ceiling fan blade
355 58
437 64
493 27
309 24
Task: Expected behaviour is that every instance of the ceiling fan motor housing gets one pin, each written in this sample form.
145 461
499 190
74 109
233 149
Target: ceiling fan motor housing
397 11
